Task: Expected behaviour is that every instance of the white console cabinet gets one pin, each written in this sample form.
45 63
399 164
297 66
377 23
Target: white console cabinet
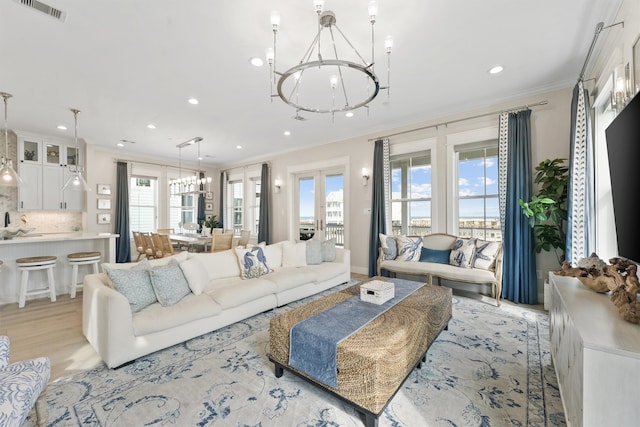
596 355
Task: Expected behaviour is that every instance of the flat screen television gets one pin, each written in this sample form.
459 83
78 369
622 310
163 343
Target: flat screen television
623 147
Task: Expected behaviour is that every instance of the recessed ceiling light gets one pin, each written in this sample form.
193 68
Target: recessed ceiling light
349 114
496 69
256 62
120 144
62 127
151 126
193 101
239 147
287 133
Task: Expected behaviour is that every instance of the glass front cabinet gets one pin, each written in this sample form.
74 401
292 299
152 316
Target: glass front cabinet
44 166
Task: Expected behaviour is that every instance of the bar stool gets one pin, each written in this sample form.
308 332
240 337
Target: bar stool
82 258
36 263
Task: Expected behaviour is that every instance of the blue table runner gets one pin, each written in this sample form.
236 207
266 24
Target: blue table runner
313 342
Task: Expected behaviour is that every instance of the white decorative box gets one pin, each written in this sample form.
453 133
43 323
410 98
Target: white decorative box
377 291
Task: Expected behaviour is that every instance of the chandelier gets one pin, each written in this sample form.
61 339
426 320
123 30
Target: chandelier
76 181
191 184
332 75
8 175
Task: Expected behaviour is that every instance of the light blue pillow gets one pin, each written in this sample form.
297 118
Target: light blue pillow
328 248
388 245
462 252
314 252
169 283
134 283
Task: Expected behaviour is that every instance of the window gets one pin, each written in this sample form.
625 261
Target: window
242 207
236 193
143 196
255 205
183 208
411 194
478 203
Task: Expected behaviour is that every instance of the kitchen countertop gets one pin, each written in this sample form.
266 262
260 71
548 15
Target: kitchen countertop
35 237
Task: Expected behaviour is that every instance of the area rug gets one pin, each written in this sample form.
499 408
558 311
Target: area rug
490 368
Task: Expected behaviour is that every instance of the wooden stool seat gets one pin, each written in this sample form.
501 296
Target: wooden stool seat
47 262
82 258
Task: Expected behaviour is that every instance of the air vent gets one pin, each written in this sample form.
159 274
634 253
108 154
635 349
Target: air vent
44 8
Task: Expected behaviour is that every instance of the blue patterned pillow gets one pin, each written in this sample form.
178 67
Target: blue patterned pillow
169 283
253 263
485 254
409 248
440 256
462 252
388 245
134 284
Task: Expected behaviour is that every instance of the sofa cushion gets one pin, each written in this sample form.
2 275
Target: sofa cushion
291 277
156 318
21 383
239 291
294 254
196 274
329 250
409 248
169 283
447 271
252 262
135 284
462 252
273 253
389 246
485 254
219 265
327 270
435 255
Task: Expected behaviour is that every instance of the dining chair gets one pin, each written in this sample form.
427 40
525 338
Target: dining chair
140 245
221 242
150 249
244 238
167 245
165 231
158 246
217 231
191 226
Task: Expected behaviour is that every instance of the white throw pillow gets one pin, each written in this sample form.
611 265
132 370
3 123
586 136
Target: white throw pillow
273 253
484 256
462 252
409 248
196 275
314 252
294 254
219 265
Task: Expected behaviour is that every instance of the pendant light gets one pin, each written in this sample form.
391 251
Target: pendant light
8 175
76 181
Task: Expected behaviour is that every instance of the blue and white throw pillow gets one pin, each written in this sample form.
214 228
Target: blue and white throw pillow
462 252
314 252
409 248
169 283
134 283
388 245
253 263
485 254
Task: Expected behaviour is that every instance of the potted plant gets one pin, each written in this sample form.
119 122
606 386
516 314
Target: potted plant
547 210
210 223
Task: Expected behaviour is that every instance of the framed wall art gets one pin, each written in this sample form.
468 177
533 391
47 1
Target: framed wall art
104 188
104 203
104 218
208 207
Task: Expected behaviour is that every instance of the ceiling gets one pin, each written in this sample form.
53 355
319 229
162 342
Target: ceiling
126 64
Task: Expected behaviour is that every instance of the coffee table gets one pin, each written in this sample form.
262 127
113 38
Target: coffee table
374 362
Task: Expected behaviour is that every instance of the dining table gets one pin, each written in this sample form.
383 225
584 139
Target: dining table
195 242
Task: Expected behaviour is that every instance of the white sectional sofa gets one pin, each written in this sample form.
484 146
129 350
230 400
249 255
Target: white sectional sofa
218 296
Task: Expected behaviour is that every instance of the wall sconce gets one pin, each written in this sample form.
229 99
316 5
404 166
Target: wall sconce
277 185
621 87
365 176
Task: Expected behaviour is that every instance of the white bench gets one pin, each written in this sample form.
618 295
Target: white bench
442 241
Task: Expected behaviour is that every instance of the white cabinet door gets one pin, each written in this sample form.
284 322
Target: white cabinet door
72 199
52 188
30 193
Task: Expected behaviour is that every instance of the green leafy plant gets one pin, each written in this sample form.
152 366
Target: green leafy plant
210 222
547 211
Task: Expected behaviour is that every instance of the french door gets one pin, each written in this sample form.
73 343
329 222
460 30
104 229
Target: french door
320 205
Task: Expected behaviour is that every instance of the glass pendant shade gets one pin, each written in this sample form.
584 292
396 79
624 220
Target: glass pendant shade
8 175
76 181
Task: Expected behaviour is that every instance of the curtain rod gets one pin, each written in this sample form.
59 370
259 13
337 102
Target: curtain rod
246 166
522 107
599 27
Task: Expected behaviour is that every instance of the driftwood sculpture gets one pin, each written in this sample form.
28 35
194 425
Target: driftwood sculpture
620 278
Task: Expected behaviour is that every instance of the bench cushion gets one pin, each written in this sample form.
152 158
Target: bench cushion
446 271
